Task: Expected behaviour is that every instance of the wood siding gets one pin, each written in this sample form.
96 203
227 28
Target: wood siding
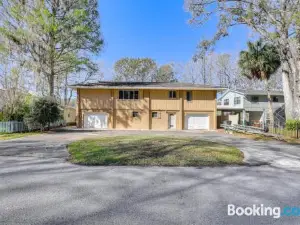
160 100
201 101
96 99
120 111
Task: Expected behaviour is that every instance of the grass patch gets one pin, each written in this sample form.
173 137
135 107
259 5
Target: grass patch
153 151
8 136
260 137
255 137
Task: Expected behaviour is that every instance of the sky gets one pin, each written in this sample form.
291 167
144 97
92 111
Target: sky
157 29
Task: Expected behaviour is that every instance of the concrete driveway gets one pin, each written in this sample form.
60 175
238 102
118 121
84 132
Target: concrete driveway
38 185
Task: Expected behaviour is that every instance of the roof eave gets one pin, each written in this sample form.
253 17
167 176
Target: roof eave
149 88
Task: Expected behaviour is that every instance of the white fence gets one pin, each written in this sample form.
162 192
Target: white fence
16 126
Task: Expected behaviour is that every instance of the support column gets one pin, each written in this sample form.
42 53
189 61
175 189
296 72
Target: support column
181 110
215 113
78 111
114 108
146 96
244 117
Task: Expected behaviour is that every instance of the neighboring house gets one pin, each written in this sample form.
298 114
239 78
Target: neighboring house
70 115
146 105
250 106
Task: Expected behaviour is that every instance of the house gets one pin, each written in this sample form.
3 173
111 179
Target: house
70 115
249 106
146 105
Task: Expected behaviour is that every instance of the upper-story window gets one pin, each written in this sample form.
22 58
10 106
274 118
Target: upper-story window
254 99
126 94
189 96
226 101
172 94
219 102
275 99
237 100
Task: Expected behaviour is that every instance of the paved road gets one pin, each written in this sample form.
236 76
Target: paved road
38 186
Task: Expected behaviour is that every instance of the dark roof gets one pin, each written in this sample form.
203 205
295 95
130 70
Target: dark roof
144 85
260 92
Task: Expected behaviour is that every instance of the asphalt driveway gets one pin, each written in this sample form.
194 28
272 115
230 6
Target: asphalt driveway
38 185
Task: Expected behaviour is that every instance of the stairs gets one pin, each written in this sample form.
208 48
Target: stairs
279 117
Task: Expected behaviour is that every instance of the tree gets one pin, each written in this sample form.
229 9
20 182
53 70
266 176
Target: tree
165 73
55 37
45 111
14 84
277 22
135 69
260 61
198 71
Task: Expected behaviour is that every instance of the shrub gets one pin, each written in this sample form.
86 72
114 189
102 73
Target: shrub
17 109
45 111
1 116
292 124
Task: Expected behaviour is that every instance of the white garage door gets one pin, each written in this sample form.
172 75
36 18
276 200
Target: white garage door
196 121
95 120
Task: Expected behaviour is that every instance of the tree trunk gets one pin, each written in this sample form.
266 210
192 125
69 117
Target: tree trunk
287 90
295 65
52 54
51 83
270 104
66 91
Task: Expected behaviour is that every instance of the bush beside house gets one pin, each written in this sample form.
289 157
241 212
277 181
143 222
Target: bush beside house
292 125
44 111
32 114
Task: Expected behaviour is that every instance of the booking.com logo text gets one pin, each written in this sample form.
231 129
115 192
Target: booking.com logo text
261 210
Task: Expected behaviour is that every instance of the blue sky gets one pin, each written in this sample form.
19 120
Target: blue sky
157 29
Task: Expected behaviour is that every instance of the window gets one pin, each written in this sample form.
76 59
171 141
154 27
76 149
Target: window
254 98
154 114
189 96
135 114
219 102
172 94
128 94
275 99
237 100
226 101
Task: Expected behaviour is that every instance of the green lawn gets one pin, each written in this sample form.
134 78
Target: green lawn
153 151
7 136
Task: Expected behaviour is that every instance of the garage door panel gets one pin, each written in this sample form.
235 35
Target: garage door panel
95 120
197 122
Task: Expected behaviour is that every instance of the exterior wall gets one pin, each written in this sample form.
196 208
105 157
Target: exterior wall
96 99
124 119
201 100
262 103
70 115
231 95
120 111
162 122
160 100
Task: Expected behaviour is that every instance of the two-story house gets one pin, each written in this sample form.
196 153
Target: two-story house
146 105
250 106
